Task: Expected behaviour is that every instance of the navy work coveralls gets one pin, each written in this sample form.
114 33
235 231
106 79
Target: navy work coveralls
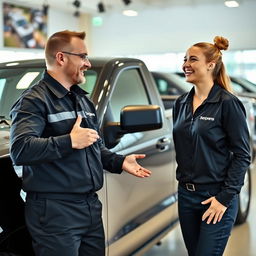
63 213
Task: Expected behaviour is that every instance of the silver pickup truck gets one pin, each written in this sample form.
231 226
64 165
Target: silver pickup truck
137 213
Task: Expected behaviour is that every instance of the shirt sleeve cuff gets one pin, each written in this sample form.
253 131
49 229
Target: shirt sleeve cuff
64 145
225 198
119 164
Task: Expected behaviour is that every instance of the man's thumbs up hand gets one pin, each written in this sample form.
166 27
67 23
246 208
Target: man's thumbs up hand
82 137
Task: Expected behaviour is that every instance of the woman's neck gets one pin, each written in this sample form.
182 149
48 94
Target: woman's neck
202 90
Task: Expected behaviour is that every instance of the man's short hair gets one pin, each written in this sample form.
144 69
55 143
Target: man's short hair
60 41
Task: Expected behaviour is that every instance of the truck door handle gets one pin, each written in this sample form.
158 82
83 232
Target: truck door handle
163 144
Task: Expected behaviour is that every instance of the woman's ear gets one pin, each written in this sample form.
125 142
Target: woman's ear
211 65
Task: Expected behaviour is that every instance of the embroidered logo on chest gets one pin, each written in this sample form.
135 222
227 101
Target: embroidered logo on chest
206 118
89 114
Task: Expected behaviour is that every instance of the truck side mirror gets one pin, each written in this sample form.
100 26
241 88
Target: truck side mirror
134 118
140 118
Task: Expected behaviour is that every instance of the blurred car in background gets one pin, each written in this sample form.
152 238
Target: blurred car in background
243 86
170 86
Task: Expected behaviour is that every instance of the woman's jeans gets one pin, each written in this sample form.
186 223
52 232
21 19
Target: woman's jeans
202 239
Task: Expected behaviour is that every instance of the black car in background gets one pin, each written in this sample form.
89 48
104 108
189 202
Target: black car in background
243 86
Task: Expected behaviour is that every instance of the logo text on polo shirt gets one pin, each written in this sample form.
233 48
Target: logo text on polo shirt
89 114
206 118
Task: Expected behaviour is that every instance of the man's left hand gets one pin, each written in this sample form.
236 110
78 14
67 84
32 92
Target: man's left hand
131 166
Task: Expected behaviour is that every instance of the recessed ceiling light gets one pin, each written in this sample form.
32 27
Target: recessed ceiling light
231 4
130 13
127 2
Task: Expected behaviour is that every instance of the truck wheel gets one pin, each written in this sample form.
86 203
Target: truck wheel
244 199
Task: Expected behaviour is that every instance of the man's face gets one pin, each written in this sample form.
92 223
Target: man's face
76 65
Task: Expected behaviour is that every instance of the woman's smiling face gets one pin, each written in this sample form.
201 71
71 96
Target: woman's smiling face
195 67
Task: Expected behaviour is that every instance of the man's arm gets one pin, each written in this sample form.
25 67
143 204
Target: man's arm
27 147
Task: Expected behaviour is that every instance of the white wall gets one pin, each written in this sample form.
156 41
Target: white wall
59 20
174 29
162 30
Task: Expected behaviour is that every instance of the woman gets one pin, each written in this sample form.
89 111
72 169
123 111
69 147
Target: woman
212 150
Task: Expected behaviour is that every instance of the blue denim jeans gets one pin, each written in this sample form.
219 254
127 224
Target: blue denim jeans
202 239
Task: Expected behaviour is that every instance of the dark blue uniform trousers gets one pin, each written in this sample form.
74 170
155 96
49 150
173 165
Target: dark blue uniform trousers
65 225
202 239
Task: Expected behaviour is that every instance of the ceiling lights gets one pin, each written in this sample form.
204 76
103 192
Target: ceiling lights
127 2
77 4
130 13
45 8
231 4
101 7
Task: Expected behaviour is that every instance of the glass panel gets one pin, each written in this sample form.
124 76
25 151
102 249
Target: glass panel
2 83
15 81
129 90
162 86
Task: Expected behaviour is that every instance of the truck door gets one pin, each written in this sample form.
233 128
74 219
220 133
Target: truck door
138 209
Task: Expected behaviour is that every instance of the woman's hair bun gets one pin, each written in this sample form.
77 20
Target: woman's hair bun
221 43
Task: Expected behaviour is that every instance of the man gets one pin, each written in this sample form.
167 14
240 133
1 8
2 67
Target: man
54 136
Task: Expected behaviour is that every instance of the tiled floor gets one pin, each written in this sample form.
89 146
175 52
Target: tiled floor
241 243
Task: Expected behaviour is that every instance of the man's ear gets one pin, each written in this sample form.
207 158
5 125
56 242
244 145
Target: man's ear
60 58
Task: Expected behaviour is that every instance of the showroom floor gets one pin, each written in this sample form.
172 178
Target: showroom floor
241 243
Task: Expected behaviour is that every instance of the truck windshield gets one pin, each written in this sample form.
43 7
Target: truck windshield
15 81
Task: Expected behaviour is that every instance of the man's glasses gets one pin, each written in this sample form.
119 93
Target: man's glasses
83 56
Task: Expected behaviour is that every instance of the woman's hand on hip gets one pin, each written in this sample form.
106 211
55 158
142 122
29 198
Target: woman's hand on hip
214 212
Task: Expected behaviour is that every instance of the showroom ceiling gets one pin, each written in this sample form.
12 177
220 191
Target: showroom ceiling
91 6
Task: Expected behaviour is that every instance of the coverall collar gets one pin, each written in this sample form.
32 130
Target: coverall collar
59 90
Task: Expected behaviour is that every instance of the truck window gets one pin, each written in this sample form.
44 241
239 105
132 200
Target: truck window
129 90
13 82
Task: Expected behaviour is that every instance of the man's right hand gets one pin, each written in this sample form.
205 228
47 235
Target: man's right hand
82 137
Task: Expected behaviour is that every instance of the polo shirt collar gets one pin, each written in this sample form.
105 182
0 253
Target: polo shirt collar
214 95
